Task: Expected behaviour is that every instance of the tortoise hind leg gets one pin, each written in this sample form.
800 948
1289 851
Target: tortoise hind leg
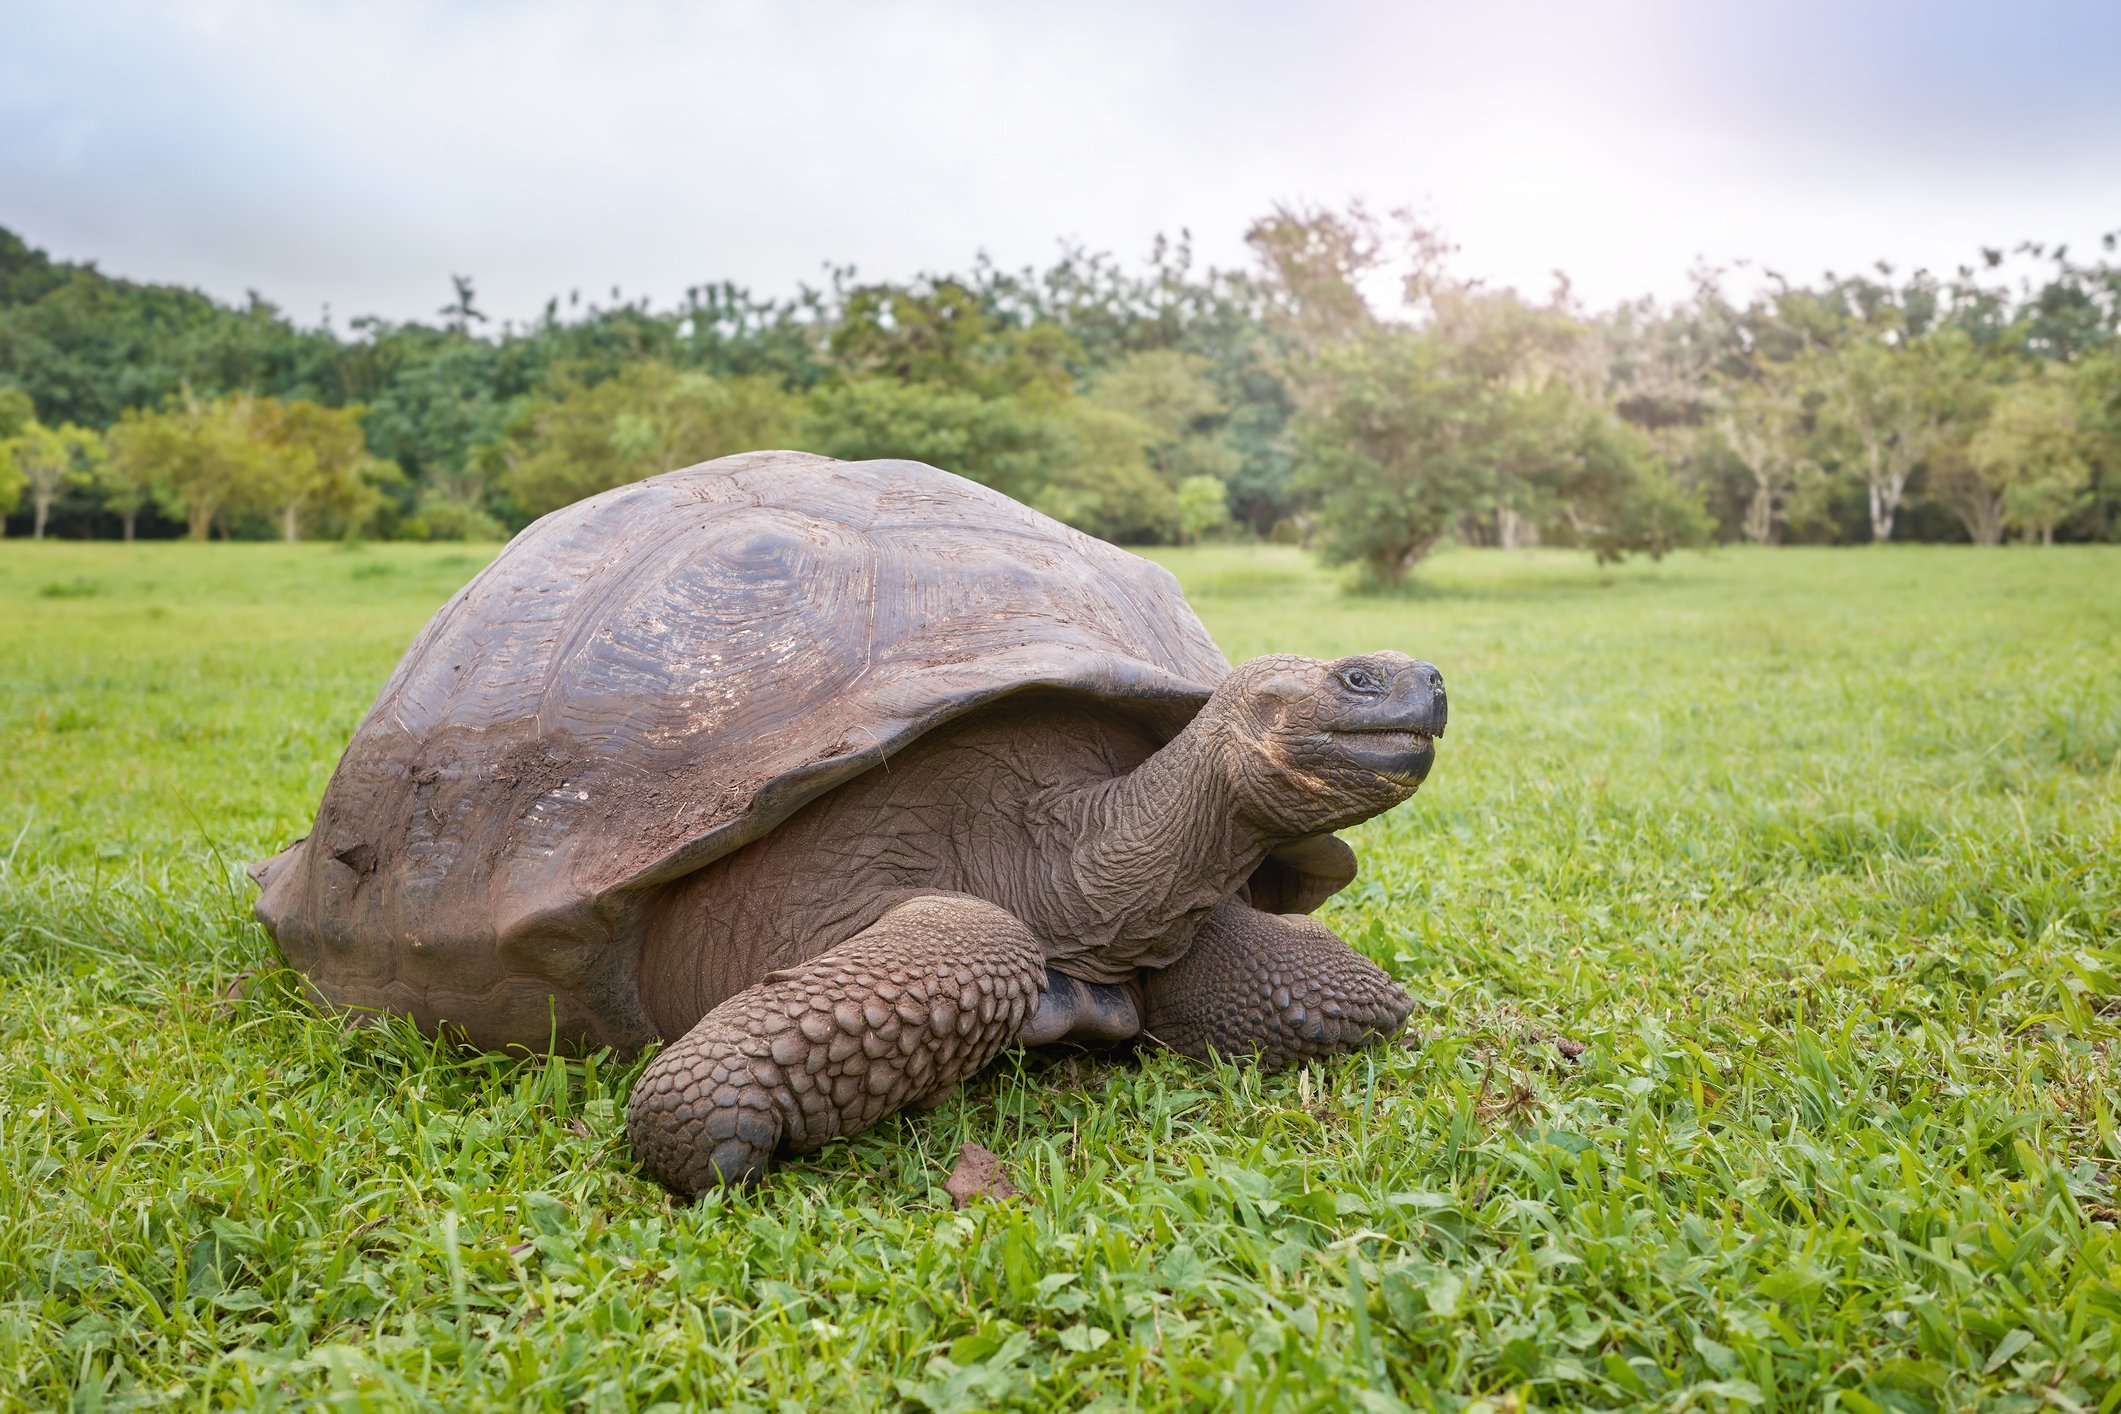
1275 988
899 1013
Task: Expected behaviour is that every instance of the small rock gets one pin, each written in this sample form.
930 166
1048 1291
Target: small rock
978 1175
233 994
1570 1049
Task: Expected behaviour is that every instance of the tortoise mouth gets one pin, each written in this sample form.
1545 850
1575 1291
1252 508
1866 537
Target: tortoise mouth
1400 754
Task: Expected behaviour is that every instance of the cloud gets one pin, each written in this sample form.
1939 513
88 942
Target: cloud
357 155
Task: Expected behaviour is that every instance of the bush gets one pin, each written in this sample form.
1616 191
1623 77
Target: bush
439 518
1203 508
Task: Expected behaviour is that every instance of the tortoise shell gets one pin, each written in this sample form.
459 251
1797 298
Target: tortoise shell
651 678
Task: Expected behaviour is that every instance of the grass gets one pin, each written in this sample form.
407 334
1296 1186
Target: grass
1763 911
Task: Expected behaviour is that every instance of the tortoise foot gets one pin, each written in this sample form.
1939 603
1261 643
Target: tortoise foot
1278 989
901 1012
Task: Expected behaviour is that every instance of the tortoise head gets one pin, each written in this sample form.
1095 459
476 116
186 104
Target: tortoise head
1316 746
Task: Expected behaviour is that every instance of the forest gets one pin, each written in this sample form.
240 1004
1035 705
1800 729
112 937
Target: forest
1347 389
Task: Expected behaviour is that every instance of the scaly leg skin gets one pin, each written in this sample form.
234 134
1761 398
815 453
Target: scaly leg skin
1278 988
896 1015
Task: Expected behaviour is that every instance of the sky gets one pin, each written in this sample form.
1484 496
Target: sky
353 156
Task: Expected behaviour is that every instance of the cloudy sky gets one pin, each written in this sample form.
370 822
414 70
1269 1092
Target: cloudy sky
355 154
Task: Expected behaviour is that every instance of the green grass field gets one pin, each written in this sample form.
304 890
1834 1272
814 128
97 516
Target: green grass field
1763 913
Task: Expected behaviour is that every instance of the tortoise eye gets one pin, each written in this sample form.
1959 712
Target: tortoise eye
1360 680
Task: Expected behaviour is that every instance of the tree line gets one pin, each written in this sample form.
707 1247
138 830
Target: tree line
1346 389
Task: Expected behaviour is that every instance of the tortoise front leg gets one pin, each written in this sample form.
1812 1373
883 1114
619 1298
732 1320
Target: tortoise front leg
1272 987
897 1014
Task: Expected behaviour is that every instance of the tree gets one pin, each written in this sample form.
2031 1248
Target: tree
1956 484
1203 509
1170 393
1314 263
462 311
2030 454
1073 459
1093 475
1391 434
16 410
313 457
198 456
438 405
1397 454
1003 442
951 334
123 487
1888 404
2098 380
86 346
651 418
139 445
1477 411
45 461
994 373
1762 423
1609 491
1951 477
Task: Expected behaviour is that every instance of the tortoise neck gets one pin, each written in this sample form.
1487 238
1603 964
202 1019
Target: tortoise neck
1150 853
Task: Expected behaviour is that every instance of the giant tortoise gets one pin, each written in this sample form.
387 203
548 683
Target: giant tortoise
837 778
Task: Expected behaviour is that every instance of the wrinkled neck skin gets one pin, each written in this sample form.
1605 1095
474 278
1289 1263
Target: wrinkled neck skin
1146 856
